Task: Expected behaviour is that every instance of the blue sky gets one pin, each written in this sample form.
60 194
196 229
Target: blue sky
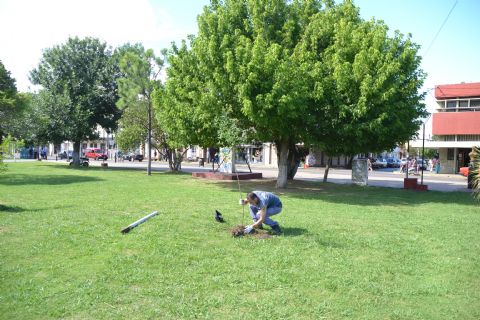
28 26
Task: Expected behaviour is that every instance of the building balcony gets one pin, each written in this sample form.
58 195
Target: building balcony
456 123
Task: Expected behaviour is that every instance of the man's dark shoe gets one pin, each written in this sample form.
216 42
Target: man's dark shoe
276 229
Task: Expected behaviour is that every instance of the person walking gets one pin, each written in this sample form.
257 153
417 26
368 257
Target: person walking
263 205
369 164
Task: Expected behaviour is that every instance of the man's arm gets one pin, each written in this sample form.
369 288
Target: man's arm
262 214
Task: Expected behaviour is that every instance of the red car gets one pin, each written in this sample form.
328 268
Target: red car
96 153
464 171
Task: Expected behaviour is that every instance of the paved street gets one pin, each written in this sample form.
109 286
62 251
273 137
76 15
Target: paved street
379 178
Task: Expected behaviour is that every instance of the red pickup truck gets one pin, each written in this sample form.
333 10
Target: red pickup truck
96 153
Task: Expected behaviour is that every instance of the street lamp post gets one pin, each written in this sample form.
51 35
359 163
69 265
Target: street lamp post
423 152
406 159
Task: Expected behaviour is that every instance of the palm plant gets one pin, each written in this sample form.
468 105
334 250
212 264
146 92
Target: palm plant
475 167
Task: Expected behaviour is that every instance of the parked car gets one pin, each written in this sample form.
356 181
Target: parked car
464 171
138 157
379 163
124 156
133 157
96 153
393 163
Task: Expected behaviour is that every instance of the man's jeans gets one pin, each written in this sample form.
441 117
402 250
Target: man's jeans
270 212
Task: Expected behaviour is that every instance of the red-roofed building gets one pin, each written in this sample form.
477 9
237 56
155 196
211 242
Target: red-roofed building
456 124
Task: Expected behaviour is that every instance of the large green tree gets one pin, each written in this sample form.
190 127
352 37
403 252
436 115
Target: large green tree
189 112
133 132
78 80
239 73
141 77
369 83
8 93
298 71
12 104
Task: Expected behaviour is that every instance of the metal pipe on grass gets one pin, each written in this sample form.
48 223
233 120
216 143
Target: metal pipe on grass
139 221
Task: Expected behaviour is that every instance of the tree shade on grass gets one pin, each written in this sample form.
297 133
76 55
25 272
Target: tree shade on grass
347 252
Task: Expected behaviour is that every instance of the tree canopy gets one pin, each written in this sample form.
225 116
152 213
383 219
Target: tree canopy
376 102
79 89
296 71
141 77
12 104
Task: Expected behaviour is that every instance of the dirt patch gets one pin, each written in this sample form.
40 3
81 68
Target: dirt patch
262 235
238 231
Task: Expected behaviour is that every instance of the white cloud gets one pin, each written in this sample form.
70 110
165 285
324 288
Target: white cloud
29 26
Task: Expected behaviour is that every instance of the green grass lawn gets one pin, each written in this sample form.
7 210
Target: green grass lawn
347 252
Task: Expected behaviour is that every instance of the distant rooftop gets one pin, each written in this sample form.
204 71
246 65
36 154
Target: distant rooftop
460 90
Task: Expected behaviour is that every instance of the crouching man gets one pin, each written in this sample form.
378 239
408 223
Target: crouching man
263 205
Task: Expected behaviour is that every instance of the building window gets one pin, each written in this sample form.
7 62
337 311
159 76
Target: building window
444 138
84 146
463 105
468 137
450 152
102 146
451 106
475 105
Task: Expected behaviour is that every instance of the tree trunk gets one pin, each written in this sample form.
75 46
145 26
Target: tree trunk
293 161
349 163
149 167
327 168
76 153
169 155
174 159
282 152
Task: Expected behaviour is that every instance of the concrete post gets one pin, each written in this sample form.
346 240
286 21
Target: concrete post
360 172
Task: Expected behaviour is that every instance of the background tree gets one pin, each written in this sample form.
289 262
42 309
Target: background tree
8 93
299 71
240 67
429 153
141 77
368 82
133 133
4 152
45 118
12 104
79 87
188 111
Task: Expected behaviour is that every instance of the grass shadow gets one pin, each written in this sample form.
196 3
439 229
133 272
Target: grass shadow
24 179
11 209
293 232
17 209
348 193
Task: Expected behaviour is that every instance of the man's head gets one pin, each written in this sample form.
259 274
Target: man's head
252 198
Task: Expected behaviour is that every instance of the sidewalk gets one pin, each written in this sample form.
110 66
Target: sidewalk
377 178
